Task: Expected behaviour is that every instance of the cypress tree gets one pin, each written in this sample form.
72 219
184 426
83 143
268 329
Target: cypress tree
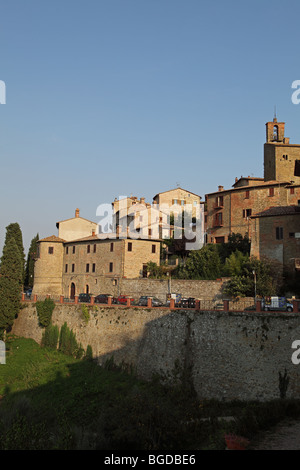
10 284
29 270
14 231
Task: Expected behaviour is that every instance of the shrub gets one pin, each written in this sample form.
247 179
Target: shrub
50 337
44 310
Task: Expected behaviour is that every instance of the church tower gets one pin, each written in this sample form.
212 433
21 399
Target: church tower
280 157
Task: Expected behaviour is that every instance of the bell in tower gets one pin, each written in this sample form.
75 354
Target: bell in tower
275 131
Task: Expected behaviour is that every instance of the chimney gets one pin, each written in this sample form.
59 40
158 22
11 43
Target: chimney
236 179
220 188
77 213
142 200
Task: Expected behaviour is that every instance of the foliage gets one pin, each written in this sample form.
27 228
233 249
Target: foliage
234 263
29 269
89 352
44 310
10 284
244 284
14 231
154 271
68 344
54 402
85 313
236 242
50 337
202 264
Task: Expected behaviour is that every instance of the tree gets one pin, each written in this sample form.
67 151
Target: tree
267 280
202 264
10 284
235 242
14 231
29 270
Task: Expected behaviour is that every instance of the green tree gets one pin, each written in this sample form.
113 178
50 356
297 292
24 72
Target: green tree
235 242
10 284
268 282
235 263
29 269
14 231
202 264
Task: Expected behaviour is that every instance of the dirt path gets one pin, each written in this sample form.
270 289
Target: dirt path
284 436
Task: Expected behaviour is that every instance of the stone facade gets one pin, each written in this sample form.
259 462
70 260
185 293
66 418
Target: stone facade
69 267
229 211
276 235
230 356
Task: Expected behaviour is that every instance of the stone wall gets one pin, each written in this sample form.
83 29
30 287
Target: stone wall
230 356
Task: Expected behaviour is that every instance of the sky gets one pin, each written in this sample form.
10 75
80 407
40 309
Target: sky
109 98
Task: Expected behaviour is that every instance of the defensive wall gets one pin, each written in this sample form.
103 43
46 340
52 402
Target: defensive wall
229 355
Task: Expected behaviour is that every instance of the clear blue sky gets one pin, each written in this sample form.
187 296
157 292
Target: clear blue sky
119 97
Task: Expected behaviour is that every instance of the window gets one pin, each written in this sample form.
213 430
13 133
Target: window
129 246
66 268
271 192
153 248
95 248
73 268
94 267
88 248
292 190
111 247
149 232
247 194
292 235
182 202
87 268
50 250
247 213
285 157
111 267
279 233
73 249
67 250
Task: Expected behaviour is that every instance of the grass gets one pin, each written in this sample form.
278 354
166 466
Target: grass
53 401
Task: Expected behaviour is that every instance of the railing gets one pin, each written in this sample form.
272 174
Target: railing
203 305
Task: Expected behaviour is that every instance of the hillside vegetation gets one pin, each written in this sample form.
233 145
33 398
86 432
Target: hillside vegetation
53 401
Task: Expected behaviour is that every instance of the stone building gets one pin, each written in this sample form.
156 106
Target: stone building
90 262
230 210
276 236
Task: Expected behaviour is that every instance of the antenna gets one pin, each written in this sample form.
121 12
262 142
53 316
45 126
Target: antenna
275 117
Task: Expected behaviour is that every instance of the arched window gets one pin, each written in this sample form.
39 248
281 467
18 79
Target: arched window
87 289
275 133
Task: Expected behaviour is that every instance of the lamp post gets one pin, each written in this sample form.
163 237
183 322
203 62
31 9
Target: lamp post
254 274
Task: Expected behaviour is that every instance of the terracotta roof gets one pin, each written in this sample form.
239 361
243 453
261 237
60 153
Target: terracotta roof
108 236
280 210
52 239
251 186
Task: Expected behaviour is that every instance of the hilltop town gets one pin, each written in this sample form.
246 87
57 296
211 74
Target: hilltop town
82 258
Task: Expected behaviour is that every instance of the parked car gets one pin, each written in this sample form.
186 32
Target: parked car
28 293
143 300
189 302
122 299
84 298
276 303
103 299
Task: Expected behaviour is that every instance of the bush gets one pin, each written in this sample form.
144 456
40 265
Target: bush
68 343
44 310
50 337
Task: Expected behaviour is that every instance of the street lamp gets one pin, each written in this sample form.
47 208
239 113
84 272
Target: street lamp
254 274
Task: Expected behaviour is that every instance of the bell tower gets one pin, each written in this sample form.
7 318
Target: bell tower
274 131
